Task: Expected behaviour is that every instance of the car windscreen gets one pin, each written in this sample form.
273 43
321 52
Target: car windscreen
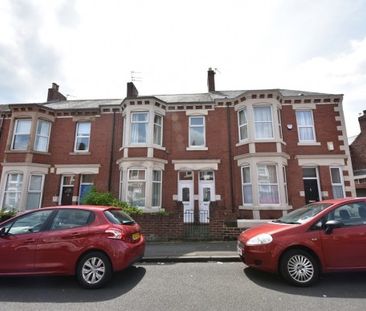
118 217
303 214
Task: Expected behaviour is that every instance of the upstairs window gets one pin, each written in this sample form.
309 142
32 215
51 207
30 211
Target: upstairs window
82 138
243 124
21 137
42 136
158 126
305 125
263 122
139 125
197 131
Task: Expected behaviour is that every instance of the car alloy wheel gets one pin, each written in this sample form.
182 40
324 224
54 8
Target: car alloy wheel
299 267
94 270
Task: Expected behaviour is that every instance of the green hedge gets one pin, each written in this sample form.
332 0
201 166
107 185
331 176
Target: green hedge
107 199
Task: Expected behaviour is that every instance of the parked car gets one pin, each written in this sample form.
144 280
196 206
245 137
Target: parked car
87 241
325 236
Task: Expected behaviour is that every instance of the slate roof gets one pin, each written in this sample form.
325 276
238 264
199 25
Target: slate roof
167 98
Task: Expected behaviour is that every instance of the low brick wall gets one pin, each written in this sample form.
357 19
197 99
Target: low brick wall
158 227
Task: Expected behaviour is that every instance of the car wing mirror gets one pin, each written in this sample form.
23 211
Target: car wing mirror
330 225
3 232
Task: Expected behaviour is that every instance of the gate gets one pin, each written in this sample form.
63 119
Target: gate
196 228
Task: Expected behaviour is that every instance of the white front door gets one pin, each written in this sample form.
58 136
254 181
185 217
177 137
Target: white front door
206 195
185 194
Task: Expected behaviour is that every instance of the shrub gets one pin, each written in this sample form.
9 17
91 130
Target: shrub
4 214
107 199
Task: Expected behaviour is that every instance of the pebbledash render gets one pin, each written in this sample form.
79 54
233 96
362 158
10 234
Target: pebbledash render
218 160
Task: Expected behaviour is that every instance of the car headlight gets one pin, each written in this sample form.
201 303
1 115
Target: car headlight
260 239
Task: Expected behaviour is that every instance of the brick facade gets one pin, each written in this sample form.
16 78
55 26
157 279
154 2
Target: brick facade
209 154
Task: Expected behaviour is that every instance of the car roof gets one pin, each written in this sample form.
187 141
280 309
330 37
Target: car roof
343 200
87 207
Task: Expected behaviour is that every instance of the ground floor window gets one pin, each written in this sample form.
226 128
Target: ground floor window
246 185
156 189
86 185
34 195
267 184
337 182
136 192
13 190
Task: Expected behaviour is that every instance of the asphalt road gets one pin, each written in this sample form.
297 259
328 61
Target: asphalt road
185 286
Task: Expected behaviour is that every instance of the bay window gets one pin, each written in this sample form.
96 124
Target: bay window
267 184
158 127
246 185
156 189
136 187
13 190
22 134
139 125
42 136
34 195
263 127
243 124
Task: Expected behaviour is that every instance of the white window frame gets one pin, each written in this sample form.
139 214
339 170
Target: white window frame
312 126
139 122
263 122
279 123
243 110
42 136
268 184
136 181
15 133
160 182
40 191
160 127
337 184
19 191
193 126
285 183
82 136
250 183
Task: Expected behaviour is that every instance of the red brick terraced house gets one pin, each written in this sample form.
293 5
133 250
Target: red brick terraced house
215 161
358 155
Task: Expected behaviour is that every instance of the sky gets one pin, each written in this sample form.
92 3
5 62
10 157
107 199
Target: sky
92 48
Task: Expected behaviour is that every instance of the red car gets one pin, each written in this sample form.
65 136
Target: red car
326 236
87 241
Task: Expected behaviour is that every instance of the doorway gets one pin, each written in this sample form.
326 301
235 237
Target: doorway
311 184
185 195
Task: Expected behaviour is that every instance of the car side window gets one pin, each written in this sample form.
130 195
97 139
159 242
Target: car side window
30 223
353 214
71 218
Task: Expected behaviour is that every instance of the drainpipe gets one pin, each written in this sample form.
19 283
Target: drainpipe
112 153
230 157
2 124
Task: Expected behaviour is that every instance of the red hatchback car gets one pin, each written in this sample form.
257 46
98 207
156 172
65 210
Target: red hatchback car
87 241
320 237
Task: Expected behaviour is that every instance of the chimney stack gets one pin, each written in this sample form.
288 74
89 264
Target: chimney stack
362 121
131 90
211 80
54 94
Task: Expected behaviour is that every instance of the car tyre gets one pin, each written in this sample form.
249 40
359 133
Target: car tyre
94 270
299 267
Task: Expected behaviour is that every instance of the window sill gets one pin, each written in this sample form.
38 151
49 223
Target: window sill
310 143
265 207
197 148
80 153
28 151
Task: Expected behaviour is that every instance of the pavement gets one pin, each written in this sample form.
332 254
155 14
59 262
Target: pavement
186 251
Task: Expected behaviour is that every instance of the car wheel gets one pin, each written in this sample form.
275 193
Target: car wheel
94 270
299 267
